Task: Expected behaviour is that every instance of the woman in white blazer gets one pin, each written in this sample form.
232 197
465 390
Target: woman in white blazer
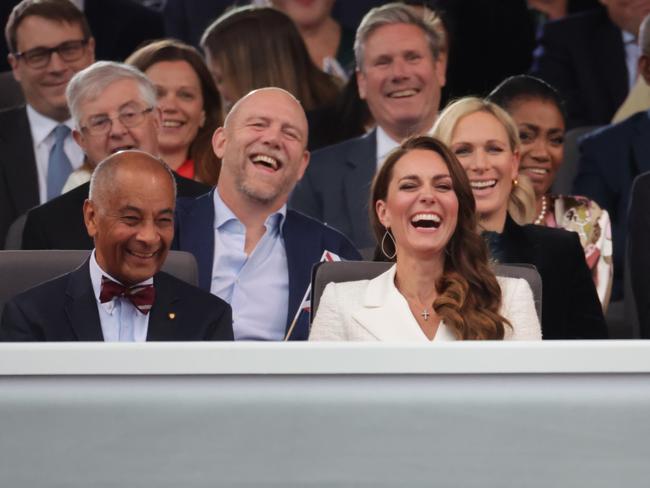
441 287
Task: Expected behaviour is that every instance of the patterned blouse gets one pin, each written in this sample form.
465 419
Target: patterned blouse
584 216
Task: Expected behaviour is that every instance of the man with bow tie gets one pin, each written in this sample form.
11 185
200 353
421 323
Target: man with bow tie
119 293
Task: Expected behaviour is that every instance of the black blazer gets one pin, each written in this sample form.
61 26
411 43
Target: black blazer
59 223
18 176
583 56
65 309
570 305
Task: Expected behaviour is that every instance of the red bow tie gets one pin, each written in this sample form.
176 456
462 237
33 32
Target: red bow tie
141 296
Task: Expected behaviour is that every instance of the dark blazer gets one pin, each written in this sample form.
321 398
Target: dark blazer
118 26
18 176
305 240
570 305
583 56
336 187
121 26
59 223
610 159
65 309
638 247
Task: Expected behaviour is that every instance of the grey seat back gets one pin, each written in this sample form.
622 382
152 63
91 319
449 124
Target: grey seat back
14 239
340 271
21 270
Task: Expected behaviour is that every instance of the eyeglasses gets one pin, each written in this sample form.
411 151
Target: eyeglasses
102 124
39 57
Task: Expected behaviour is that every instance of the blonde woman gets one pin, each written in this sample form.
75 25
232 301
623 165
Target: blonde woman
486 141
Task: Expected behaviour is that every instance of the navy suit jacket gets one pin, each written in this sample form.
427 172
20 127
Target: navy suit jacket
65 309
583 56
305 240
610 159
638 245
336 187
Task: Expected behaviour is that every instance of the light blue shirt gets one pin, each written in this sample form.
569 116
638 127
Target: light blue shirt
120 320
257 285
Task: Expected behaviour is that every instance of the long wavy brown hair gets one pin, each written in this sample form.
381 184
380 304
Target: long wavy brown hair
258 47
206 164
469 296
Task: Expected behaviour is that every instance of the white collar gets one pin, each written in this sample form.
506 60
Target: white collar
385 313
385 144
42 126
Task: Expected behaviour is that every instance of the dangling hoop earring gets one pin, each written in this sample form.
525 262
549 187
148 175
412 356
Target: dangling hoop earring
382 245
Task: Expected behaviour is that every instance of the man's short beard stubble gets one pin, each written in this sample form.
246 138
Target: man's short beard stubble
259 195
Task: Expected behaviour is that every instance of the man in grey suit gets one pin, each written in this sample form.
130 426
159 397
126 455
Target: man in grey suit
400 74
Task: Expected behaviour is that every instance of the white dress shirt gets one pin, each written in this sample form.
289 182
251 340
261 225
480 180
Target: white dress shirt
632 53
385 144
43 139
120 320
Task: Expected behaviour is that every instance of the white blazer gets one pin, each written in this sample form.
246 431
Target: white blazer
375 310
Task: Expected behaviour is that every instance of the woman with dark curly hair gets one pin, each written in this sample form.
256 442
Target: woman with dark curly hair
538 110
441 286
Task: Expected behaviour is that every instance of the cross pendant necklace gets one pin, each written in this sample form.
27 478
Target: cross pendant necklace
425 315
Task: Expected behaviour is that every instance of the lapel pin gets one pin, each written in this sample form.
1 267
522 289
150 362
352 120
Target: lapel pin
171 315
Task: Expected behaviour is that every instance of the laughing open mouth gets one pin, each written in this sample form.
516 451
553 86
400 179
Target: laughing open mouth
403 93
142 255
266 161
483 184
426 220
172 124
536 170
122 148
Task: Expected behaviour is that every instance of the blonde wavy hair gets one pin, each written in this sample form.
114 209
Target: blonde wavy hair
521 206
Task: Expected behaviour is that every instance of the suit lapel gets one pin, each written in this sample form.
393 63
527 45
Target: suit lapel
384 312
20 161
163 320
196 235
81 306
361 164
641 145
303 250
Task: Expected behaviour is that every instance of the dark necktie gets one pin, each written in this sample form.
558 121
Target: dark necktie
141 296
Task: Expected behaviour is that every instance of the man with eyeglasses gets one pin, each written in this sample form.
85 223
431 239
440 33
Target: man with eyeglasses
114 108
49 41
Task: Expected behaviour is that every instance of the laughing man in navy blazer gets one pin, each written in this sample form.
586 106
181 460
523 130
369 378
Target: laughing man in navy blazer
119 293
251 250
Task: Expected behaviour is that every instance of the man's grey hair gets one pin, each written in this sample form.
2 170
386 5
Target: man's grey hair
397 13
644 36
89 83
103 181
